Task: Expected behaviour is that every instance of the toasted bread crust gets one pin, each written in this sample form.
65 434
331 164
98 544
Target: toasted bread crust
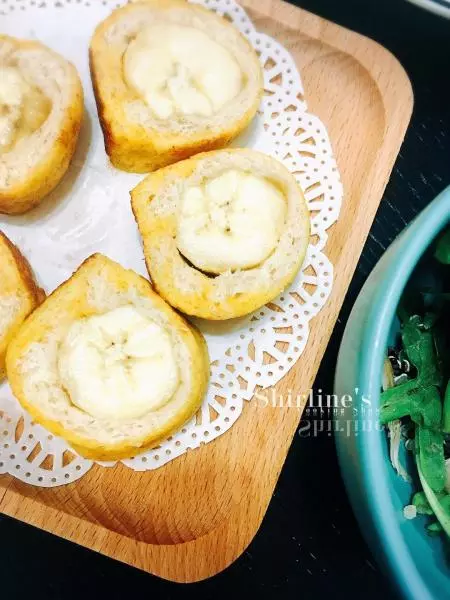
25 285
26 274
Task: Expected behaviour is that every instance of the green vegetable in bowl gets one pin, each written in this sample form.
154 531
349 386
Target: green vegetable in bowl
446 423
430 457
439 507
419 394
411 398
421 503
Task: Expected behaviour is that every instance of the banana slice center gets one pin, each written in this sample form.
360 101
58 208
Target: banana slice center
180 70
23 108
231 222
119 365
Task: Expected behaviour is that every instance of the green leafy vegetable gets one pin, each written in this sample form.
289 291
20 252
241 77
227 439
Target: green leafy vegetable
431 457
417 398
419 394
440 510
421 503
446 420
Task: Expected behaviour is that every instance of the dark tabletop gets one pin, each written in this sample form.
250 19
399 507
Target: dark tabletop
309 544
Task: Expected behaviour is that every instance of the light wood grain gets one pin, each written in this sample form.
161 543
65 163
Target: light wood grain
193 517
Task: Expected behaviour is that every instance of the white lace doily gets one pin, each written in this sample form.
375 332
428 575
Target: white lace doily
90 212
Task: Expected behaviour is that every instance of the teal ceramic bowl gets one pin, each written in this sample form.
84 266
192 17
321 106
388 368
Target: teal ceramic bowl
417 563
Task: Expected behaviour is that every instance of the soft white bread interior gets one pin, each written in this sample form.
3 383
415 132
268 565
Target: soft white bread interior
41 108
19 294
171 79
107 364
223 232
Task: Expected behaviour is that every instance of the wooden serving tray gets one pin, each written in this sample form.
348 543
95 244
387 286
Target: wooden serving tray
193 517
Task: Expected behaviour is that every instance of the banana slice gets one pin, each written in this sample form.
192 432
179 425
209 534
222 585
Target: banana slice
171 79
41 108
107 364
233 221
19 294
119 365
224 232
180 70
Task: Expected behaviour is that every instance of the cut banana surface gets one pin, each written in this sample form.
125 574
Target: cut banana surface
107 364
171 79
181 71
41 108
118 365
223 233
232 221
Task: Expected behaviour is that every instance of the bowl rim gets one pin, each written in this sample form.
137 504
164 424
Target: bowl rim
416 238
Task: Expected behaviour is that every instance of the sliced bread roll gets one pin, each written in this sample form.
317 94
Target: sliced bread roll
171 79
41 108
223 232
107 364
19 294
